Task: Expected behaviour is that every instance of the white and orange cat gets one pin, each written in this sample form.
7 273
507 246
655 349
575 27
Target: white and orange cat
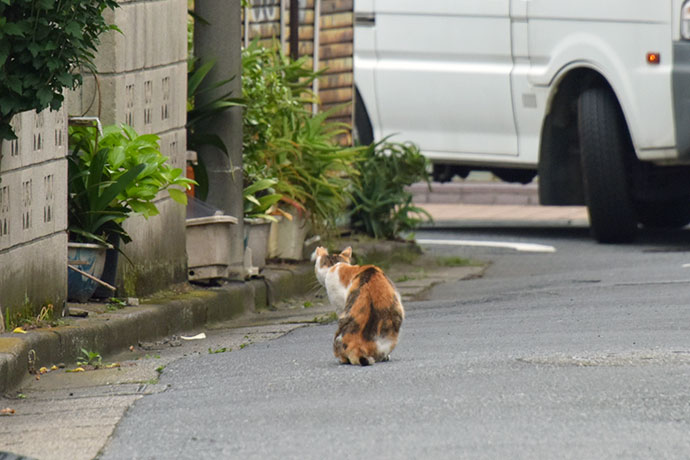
369 309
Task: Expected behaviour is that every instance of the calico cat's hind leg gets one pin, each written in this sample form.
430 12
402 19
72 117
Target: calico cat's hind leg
339 349
366 360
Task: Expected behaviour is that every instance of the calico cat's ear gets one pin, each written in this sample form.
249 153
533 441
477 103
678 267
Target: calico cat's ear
318 252
347 253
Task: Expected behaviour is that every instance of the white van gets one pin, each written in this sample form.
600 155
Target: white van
593 95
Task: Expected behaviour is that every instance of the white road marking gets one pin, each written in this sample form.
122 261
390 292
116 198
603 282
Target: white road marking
685 265
522 247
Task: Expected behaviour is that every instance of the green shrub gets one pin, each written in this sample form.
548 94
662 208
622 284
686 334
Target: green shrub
382 208
43 45
284 140
198 115
114 176
276 90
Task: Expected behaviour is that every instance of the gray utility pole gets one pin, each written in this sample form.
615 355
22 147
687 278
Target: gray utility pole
221 40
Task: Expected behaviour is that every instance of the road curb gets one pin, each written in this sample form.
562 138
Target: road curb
114 331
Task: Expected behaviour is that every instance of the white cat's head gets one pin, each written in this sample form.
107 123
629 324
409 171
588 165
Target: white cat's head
323 261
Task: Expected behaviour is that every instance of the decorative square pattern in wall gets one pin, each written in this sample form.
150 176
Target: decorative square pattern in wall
148 100
165 85
174 146
49 195
15 145
27 192
12 150
4 214
39 135
59 130
129 104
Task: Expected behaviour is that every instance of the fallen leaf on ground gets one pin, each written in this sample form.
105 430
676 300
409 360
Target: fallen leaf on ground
76 369
43 370
7 411
19 330
131 348
111 365
53 367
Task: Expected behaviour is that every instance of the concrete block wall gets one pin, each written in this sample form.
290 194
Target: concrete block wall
142 81
33 212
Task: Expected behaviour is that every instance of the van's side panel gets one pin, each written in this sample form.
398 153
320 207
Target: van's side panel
450 59
613 37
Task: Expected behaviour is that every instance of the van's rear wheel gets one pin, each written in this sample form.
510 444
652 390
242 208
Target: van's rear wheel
606 151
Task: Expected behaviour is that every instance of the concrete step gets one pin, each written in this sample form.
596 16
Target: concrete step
475 192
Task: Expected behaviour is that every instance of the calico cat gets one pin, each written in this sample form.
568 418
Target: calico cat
368 305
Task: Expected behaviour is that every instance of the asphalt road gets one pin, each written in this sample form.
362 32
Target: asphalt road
580 353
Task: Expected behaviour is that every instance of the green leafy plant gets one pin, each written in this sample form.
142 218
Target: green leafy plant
114 176
382 208
43 44
26 318
93 212
259 199
314 171
89 358
218 350
283 140
198 115
115 304
276 90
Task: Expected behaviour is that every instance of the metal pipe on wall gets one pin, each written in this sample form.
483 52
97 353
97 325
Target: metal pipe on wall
294 29
317 46
283 8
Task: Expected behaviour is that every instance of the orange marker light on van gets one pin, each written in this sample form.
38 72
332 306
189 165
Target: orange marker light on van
653 58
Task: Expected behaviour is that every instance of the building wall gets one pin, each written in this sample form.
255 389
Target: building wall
33 213
142 81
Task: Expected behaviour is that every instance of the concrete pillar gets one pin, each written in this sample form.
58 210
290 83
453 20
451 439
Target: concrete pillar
221 40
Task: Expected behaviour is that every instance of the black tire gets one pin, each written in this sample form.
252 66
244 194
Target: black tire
606 154
669 214
364 133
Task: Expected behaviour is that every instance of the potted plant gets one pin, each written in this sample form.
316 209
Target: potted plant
198 115
285 141
113 176
259 202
